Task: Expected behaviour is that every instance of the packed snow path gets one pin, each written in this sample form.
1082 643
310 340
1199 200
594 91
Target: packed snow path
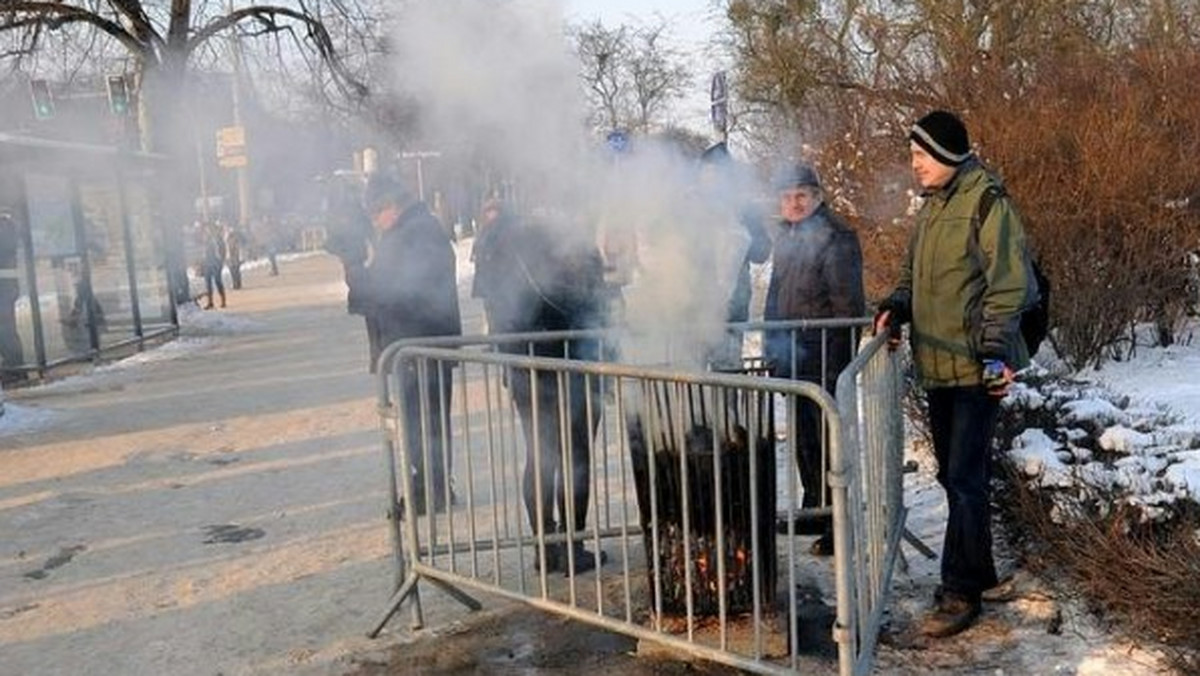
217 510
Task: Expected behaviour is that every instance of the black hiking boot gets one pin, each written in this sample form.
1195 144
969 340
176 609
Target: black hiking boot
556 558
582 559
823 546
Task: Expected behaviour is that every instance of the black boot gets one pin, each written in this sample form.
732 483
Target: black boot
582 559
556 558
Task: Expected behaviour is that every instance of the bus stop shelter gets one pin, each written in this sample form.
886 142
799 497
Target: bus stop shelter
82 254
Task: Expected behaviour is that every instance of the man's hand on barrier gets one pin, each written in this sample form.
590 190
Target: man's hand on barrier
883 322
997 376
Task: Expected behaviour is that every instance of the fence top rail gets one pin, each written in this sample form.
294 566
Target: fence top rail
844 388
614 334
617 370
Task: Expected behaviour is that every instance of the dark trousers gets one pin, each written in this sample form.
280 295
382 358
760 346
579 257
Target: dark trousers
427 431
546 455
235 272
963 421
212 277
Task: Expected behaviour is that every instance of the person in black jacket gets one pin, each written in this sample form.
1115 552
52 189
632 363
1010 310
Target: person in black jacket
816 274
533 275
408 289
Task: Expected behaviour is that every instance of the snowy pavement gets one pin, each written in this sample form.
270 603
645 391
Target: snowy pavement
212 506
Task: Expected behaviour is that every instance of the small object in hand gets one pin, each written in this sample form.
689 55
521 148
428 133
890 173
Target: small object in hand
997 376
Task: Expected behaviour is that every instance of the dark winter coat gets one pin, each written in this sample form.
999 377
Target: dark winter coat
409 288
817 274
964 300
533 279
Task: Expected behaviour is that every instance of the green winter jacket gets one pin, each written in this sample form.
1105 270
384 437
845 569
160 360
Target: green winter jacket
964 298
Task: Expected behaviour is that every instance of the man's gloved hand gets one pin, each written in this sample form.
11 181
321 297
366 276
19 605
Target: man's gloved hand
884 322
997 376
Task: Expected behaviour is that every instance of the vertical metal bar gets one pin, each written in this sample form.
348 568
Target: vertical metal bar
654 528
444 411
755 541
135 304
536 458
842 559
513 461
491 456
593 480
85 291
685 502
623 432
35 305
792 498
722 423
400 371
566 476
466 451
422 374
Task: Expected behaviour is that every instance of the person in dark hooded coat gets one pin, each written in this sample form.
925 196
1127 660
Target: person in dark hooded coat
534 276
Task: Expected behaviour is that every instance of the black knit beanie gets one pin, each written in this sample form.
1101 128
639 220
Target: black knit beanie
943 136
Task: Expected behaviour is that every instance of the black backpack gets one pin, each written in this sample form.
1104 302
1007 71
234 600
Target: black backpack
1035 320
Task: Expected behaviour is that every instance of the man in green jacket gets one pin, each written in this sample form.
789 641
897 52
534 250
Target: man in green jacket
963 287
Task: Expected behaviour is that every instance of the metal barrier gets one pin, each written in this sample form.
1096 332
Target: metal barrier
678 476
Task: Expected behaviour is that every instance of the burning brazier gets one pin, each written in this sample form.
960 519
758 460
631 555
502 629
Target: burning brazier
706 495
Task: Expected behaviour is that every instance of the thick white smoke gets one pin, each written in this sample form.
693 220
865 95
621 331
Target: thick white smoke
500 77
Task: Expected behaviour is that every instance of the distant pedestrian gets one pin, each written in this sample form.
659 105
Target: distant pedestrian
268 236
213 263
817 273
967 278
234 244
535 275
408 288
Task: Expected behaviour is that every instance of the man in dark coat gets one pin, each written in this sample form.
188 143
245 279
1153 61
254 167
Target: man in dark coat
408 289
534 276
816 274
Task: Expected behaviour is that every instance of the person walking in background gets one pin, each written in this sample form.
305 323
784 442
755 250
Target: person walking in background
536 275
267 234
817 273
11 354
213 264
234 242
967 278
408 289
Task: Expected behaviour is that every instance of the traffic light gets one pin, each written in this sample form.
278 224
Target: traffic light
118 95
43 101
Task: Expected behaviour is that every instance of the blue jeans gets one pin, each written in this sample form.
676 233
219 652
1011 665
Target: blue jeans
963 422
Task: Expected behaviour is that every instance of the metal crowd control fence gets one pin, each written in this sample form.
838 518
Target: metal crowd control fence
653 501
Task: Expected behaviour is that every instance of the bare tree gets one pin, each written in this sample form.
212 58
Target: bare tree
629 73
656 73
162 40
603 53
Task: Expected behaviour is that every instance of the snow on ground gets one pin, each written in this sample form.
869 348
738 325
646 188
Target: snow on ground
1169 376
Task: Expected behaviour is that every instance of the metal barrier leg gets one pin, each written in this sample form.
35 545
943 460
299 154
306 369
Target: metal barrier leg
401 595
